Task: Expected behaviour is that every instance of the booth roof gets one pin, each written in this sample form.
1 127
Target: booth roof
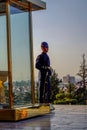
23 5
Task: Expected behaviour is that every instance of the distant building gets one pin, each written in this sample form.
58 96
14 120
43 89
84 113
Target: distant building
68 78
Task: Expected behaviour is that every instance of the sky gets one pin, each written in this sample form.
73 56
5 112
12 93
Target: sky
64 26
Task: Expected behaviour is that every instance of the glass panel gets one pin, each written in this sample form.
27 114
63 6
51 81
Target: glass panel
21 73
3 62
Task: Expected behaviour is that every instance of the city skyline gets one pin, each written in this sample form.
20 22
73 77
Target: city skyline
64 26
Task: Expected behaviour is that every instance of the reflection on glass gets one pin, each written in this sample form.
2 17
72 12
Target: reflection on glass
20 57
3 62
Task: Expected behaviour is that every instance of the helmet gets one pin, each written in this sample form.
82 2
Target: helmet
44 44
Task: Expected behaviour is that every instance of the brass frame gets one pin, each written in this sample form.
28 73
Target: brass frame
31 54
9 54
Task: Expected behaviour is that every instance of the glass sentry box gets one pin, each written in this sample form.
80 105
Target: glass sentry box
17 92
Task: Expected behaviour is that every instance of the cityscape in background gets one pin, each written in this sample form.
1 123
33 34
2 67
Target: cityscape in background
70 79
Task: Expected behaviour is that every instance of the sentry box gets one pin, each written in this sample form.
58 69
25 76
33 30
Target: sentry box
17 91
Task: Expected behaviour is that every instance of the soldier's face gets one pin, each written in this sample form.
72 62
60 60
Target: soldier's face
44 49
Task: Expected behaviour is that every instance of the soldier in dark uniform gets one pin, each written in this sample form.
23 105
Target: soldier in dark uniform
43 64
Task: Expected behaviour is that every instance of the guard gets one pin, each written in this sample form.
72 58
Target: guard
43 65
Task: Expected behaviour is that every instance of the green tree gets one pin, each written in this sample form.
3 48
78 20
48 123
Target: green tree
54 82
66 96
83 74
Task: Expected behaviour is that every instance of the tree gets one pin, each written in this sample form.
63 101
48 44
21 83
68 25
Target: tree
83 74
54 82
66 97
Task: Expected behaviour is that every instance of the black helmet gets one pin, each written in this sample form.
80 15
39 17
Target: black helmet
44 44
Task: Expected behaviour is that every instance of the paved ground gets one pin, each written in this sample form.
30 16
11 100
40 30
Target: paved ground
64 117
